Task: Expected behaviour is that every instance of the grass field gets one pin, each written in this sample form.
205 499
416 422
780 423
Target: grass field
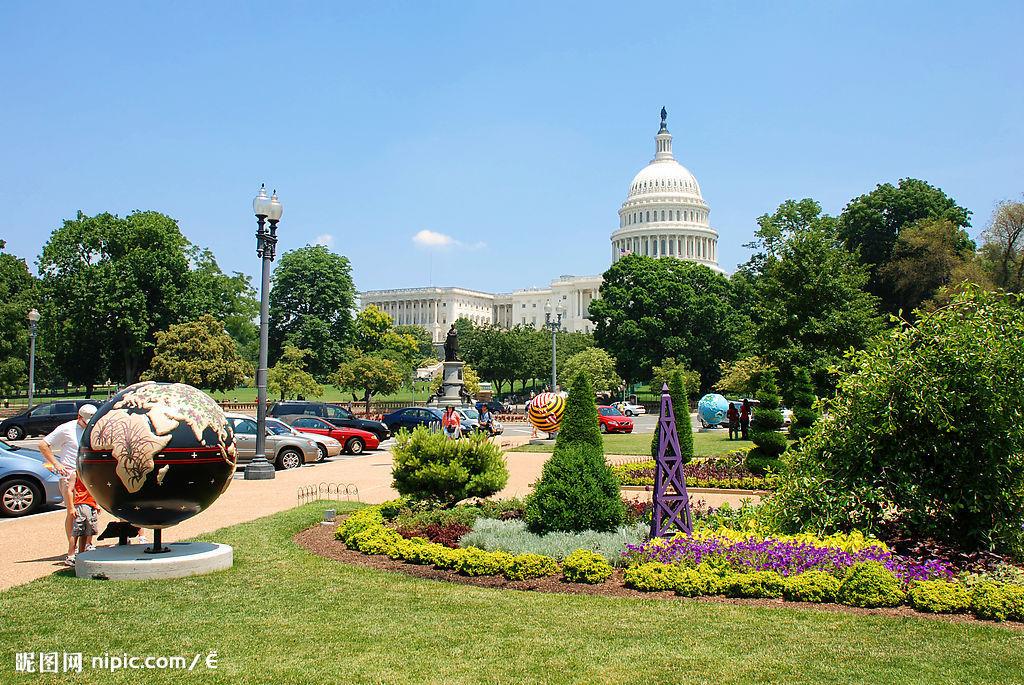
282 615
704 444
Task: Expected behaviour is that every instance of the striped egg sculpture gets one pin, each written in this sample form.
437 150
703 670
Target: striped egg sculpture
545 411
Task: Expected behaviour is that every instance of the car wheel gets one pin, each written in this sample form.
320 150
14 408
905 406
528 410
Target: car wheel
604 428
323 453
15 433
629 412
19 497
289 459
355 446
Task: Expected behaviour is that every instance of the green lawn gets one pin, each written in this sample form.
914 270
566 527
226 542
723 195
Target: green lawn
330 394
704 444
282 615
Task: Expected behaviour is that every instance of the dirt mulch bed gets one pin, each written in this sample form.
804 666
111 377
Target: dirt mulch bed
320 541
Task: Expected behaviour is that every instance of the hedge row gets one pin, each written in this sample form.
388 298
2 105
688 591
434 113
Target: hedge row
867 584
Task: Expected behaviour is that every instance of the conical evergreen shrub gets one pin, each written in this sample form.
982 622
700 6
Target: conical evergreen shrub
804 414
681 410
576 491
764 429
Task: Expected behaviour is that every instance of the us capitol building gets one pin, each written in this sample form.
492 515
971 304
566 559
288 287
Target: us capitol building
663 215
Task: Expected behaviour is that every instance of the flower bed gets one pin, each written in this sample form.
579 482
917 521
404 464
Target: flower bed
847 569
723 473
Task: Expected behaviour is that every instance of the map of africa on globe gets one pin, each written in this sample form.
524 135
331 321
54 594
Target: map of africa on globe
135 437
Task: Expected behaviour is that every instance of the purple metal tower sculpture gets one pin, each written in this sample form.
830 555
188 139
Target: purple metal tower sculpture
671 502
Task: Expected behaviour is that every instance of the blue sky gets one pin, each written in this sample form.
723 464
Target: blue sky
512 128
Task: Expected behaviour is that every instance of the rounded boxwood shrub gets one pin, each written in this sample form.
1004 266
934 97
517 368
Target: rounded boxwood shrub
811 586
584 566
757 584
870 584
430 467
939 597
998 601
698 582
653 576
477 562
769 443
526 566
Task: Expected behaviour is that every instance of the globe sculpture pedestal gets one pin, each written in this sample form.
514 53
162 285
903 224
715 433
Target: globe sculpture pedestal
452 384
154 455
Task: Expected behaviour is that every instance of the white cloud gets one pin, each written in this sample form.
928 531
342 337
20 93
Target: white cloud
325 239
433 239
427 238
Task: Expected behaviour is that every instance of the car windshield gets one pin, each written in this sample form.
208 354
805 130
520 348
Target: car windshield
9 447
337 412
278 428
470 413
609 411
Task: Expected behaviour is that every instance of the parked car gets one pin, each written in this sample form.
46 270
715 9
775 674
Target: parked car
339 416
354 440
285 451
493 406
410 417
787 416
473 415
42 419
25 482
630 409
328 446
611 420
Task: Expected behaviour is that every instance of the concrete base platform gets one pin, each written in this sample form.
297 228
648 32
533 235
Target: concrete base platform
542 441
130 562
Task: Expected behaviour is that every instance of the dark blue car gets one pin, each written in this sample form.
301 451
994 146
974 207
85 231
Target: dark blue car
410 417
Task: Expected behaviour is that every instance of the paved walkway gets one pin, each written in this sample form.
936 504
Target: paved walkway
33 547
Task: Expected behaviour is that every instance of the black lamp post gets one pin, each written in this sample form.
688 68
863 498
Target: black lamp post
268 211
33 321
554 327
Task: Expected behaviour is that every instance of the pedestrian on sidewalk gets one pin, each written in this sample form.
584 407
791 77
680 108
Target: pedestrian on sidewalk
60 450
734 421
745 418
451 424
86 523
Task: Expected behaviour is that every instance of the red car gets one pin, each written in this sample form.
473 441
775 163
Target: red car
612 420
353 440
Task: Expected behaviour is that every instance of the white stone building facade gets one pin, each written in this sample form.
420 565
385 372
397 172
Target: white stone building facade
664 215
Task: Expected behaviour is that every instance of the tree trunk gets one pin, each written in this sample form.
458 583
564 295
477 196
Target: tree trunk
88 390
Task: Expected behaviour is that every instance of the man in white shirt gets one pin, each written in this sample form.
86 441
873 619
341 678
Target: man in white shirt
60 449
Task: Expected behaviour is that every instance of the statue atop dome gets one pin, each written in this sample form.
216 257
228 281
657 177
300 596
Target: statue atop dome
664 116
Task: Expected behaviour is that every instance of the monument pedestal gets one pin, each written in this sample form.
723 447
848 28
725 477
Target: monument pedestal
131 562
451 385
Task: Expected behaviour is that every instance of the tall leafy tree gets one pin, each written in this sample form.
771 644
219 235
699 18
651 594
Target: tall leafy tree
17 297
424 343
927 256
109 283
871 224
289 377
229 299
370 374
668 368
311 302
199 353
651 309
597 365
1003 246
809 303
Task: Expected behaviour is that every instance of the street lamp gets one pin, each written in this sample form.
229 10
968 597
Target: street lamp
33 321
267 210
554 327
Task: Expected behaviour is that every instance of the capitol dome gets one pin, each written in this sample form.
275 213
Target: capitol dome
664 214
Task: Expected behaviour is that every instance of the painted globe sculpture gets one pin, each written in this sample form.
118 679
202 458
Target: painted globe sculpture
156 454
545 411
711 409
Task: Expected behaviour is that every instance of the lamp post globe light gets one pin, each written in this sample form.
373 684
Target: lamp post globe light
33 321
554 326
268 210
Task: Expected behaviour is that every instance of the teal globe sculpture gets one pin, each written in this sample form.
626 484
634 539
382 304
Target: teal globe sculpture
711 410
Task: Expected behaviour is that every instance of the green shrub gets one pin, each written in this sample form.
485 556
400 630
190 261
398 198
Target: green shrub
584 566
526 566
803 399
811 586
579 422
392 508
430 467
576 492
653 576
477 562
698 582
513 536
998 601
939 597
870 584
377 540
929 413
769 443
757 584
447 558
357 522
681 411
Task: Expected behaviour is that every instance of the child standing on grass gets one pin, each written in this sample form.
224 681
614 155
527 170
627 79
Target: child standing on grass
86 523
